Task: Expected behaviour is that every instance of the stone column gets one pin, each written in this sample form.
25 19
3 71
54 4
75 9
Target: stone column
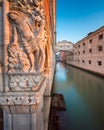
1 45
28 55
24 121
6 40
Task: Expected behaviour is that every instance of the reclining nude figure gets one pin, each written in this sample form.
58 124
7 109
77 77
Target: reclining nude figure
23 34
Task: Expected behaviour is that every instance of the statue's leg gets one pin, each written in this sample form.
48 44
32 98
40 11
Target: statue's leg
37 59
32 62
42 61
28 56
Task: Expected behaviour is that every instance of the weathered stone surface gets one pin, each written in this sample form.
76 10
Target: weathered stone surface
26 44
21 109
1 51
1 23
58 102
47 105
16 102
29 62
28 41
25 82
19 100
20 121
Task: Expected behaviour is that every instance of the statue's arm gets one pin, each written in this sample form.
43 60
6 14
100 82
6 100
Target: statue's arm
15 36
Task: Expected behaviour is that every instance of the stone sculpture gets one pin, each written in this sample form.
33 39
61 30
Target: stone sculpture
28 44
28 38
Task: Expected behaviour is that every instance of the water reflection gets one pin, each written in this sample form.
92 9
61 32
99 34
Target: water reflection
63 76
84 97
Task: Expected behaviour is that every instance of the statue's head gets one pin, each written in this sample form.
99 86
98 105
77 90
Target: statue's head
38 19
15 16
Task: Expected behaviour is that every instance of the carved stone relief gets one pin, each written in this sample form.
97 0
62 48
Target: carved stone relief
20 104
28 43
25 82
28 36
20 100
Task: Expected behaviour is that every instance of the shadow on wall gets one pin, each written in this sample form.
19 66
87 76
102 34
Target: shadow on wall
1 119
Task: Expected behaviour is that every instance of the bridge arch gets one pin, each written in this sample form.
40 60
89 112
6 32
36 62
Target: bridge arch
64 46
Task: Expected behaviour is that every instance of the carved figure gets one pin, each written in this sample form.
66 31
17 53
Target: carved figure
28 37
42 35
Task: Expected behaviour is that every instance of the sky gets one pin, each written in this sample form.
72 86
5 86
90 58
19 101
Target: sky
76 18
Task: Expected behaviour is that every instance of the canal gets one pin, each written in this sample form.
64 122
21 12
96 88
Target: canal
84 98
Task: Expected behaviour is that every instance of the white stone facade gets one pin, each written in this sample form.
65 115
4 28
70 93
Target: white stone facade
64 46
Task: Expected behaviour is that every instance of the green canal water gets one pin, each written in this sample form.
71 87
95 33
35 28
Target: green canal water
84 98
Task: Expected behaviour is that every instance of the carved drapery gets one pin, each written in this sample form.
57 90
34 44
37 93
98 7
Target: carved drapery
27 49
